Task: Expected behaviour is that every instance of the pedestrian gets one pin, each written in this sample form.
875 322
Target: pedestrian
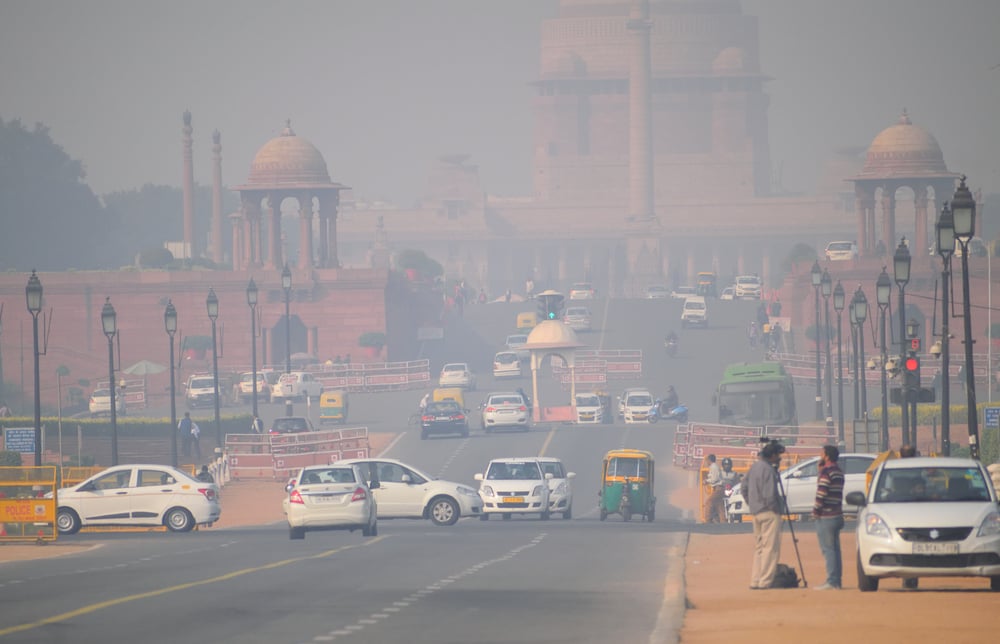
506 297
4 410
714 508
257 425
760 491
184 429
196 440
828 511
205 476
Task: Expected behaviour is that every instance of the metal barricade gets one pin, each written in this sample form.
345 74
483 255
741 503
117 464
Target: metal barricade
28 504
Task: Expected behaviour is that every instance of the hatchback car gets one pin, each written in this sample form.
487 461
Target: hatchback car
445 417
138 495
928 517
838 251
799 481
457 374
291 425
560 485
514 486
589 409
100 402
728 294
577 318
505 410
506 364
582 291
330 497
404 492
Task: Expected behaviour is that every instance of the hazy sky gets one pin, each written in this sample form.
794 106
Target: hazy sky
382 87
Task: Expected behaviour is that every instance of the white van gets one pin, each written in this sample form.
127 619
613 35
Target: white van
841 251
200 391
296 385
635 405
694 312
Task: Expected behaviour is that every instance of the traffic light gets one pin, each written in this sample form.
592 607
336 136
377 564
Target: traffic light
549 305
911 367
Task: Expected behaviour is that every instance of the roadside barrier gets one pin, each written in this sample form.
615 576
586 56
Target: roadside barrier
278 456
25 512
373 377
694 441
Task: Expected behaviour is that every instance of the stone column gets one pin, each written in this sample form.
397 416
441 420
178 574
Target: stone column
859 212
563 268
217 254
237 221
691 271
640 129
323 241
187 176
305 232
274 257
328 207
741 261
252 239
888 216
920 214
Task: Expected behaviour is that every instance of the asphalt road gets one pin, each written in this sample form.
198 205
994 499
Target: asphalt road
524 580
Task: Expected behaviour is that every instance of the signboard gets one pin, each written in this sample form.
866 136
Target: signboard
992 417
19 439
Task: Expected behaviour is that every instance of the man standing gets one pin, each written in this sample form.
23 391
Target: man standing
714 510
829 514
184 429
760 490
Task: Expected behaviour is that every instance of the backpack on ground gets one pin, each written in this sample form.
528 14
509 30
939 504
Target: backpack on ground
785 577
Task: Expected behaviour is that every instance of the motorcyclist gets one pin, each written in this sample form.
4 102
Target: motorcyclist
670 401
670 342
729 477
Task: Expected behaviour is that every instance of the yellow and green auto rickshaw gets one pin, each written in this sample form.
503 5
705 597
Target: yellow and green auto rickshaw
627 484
333 407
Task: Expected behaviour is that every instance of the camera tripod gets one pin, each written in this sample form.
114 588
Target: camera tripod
791 528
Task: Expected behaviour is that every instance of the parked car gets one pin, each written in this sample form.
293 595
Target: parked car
635 404
443 418
404 492
560 485
748 287
199 391
330 497
928 517
291 425
296 385
577 318
514 486
138 495
799 481
657 292
505 410
100 402
506 364
582 291
246 386
457 374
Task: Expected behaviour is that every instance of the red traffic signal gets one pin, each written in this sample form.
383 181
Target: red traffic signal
912 364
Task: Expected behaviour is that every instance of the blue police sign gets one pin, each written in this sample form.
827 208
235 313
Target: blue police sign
992 415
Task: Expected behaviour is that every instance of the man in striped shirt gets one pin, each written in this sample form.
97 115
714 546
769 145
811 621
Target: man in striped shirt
829 514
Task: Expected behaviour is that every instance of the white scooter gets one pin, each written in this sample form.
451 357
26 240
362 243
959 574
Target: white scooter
736 506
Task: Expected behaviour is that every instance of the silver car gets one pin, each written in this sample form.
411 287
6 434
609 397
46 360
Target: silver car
577 318
505 410
330 497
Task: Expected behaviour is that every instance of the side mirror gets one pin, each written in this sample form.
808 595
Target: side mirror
478 477
289 487
856 498
571 475
406 478
548 476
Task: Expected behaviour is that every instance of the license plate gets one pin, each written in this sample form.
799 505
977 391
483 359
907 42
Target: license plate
442 418
513 499
935 548
326 499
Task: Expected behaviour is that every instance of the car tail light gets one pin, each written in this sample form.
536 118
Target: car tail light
522 408
208 492
491 409
459 417
359 495
427 418
295 497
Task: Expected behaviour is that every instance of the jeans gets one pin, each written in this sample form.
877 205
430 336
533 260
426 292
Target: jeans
828 531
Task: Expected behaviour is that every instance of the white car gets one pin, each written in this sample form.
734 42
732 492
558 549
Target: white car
100 402
138 495
728 294
589 409
506 364
296 385
839 251
928 517
577 318
514 486
505 410
657 292
330 497
748 287
683 292
457 374
516 344
799 481
582 291
635 405
404 492
560 486
694 312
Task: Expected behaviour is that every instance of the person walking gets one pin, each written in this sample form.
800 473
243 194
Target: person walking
195 439
184 429
714 510
828 511
760 491
257 425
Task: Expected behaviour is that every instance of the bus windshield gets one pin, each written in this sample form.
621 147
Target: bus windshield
754 404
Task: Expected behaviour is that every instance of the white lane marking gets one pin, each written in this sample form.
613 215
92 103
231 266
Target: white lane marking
392 444
379 615
454 454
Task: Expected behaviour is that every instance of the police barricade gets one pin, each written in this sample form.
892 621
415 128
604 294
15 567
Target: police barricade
373 376
589 372
622 364
278 456
695 441
249 456
25 512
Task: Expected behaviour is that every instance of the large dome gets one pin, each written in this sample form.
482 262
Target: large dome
552 334
904 150
288 160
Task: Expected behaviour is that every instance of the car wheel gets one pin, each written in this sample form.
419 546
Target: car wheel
67 521
568 514
484 517
995 584
296 533
865 583
653 419
444 511
506 516
370 530
178 520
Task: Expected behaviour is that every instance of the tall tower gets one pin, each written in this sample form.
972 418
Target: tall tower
187 172
217 197
640 126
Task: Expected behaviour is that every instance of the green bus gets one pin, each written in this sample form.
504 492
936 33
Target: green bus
756 394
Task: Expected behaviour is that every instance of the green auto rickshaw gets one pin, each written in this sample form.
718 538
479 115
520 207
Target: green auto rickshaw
627 484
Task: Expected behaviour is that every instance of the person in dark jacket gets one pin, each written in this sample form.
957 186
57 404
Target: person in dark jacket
829 514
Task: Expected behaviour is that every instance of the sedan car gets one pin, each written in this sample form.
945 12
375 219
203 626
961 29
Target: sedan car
577 318
505 410
799 481
582 291
560 485
657 292
291 425
506 364
404 492
138 495
457 374
928 517
514 485
683 292
330 497
446 417
100 402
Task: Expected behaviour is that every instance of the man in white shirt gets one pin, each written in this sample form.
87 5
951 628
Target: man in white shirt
715 511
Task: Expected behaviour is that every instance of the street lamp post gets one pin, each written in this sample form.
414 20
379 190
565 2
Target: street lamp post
912 328
883 293
838 306
252 301
963 210
817 276
212 304
945 229
109 323
286 284
860 303
854 357
170 325
901 274
33 295
826 288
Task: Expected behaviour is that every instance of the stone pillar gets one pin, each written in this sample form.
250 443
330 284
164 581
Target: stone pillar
859 212
274 257
741 261
217 254
920 215
187 176
888 216
251 241
323 240
305 232
328 206
237 221
871 227
765 273
640 130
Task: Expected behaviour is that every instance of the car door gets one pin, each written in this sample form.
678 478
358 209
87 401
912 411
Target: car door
155 491
800 487
396 497
106 498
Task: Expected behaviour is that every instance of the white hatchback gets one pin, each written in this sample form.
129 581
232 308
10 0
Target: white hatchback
560 485
457 374
577 318
589 409
506 364
514 486
505 410
330 497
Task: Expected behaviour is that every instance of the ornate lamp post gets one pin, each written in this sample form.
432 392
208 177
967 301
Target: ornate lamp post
252 301
945 229
212 304
109 322
838 306
963 209
854 357
286 284
170 325
860 304
826 288
901 274
912 328
883 293
33 295
817 277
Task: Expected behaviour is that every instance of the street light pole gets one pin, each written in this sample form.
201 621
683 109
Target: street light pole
33 295
252 301
945 229
109 323
861 313
170 324
826 288
901 274
883 293
854 357
963 210
838 306
212 304
286 284
817 276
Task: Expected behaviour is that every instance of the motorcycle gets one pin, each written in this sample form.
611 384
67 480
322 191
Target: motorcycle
671 346
735 506
678 413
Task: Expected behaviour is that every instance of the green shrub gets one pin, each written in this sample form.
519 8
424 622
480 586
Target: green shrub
372 339
10 459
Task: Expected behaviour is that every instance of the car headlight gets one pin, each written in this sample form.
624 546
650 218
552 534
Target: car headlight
876 526
990 525
461 489
486 490
561 488
538 490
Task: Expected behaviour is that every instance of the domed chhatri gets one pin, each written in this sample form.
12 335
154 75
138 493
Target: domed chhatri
289 160
552 334
904 149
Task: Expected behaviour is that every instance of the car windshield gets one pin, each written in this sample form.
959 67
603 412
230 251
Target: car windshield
639 400
839 246
319 476
516 340
588 401
290 424
512 399
630 467
248 377
581 286
577 310
931 484
694 306
748 280
443 408
514 472
101 393
202 383
656 289
505 358
454 367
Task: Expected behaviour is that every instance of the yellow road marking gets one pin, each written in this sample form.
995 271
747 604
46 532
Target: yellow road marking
548 439
92 608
